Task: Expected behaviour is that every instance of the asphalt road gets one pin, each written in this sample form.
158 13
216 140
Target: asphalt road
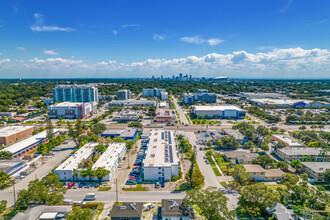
180 111
48 163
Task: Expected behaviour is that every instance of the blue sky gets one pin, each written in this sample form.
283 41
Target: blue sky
137 38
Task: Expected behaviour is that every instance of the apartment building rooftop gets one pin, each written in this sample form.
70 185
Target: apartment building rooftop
317 167
216 107
300 151
110 156
290 141
161 149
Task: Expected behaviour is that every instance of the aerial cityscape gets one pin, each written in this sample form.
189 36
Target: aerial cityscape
165 110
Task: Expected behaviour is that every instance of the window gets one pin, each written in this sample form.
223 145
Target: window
159 172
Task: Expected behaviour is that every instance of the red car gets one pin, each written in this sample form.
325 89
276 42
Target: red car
71 185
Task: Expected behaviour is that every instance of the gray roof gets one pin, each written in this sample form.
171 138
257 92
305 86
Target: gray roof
127 209
241 155
300 151
280 212
6 165
317 167
175 208
34 212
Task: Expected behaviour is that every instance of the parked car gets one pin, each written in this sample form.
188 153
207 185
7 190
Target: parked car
163 184
90 196
75 186
200 148
156 185
207 162
70 185
81 185
24 173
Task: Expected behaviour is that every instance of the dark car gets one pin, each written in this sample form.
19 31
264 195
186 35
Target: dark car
163 184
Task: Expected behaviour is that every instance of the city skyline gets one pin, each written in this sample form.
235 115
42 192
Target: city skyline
283 39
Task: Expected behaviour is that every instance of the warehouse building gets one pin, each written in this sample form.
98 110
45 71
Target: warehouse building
12 134
126 116
132 102
315 170
123 94
75 93
296 153
128 134
219 111
162 161
72 110
288 141
285 103
165 116
110 158
259 95
21 148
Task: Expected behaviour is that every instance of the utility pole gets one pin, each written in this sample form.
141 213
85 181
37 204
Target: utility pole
116 190
14 192
128 159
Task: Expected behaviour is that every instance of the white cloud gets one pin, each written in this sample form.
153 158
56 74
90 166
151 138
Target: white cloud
278 63
115 32
159 37
50 52
0 53
198 40
20 48
39 26
214 41
131 25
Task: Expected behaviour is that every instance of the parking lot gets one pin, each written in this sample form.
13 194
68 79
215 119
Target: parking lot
202 137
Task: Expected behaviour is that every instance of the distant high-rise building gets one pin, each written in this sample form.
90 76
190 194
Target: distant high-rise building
201 95
190 77
75 93
180 76
123 94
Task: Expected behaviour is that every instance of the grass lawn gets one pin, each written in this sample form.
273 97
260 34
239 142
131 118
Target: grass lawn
104 188
99 210
274 187
138 187
224 184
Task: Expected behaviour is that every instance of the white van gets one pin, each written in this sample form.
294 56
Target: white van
90 196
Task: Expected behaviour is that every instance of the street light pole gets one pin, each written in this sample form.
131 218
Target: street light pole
14 193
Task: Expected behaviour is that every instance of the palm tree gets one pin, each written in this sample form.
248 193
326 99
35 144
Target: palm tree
75 173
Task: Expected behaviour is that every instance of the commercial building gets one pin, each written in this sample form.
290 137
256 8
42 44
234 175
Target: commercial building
161 162
236 134
75 93
65 170
175 209
219 111
260 95
201 95
296 153
153 92
123 94
110 158
285 103
315 170
10 166
19 149
240 156
288 141
127 133
12 134
165 116
127 211
71 110
127 116
256 172
132 102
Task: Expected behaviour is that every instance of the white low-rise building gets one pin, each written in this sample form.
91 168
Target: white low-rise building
71 110
218 111
285 103
66 170
69 170
132 102
162 160
110 158
288 141
289 154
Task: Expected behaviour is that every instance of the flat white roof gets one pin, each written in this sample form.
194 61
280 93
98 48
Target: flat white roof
317 167
282 101
27 142
289 140
10 130
68 104
216 107
162 149
48 215
83 153
110 156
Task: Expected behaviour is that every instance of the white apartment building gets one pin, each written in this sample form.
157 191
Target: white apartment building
153 92
218 111
288 141
123 94
289 154
75 93
162 160
164 95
